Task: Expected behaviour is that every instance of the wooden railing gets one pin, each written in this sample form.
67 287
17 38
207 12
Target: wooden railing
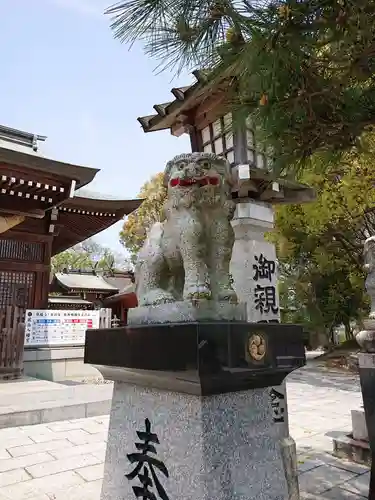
12 338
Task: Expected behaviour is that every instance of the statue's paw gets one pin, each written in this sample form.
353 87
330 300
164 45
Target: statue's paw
228 295
200 292
156 297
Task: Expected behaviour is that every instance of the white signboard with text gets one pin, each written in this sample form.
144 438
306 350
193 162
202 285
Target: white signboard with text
44 327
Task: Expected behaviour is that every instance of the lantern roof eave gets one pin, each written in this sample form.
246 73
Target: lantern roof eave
185 98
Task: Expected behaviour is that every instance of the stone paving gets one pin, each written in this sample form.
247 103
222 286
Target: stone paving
30 401
64 460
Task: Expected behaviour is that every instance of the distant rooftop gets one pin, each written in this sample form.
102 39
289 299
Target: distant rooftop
94 195
18 140
84 282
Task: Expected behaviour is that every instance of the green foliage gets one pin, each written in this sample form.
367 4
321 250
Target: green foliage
89 255
320 244
138 223
303 69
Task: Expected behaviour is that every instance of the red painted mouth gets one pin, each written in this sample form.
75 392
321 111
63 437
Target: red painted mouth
203 181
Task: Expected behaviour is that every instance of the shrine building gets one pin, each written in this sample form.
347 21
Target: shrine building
45 209
79 289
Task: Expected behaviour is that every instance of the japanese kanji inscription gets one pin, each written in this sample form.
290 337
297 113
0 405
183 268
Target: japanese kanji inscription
277 405
146 465
265 295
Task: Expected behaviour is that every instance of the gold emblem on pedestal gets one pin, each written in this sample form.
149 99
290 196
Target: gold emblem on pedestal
257 346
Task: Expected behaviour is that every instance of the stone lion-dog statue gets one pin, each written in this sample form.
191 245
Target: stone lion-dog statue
186 257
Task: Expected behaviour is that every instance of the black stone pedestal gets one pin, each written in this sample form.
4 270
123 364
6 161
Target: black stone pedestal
219 356
201 395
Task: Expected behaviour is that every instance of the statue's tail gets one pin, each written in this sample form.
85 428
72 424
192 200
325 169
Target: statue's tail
151 251
154 238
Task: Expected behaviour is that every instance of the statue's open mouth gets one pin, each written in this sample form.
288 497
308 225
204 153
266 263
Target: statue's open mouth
202 181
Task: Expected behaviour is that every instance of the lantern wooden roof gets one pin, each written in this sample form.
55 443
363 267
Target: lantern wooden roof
175 113
199 105
262 185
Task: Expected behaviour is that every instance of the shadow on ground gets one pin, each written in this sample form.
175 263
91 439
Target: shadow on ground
316 374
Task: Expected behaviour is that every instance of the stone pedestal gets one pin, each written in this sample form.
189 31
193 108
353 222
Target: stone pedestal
253 264
198 399
366 362
359 426
367 378
212 447
354 446
183 312
254 271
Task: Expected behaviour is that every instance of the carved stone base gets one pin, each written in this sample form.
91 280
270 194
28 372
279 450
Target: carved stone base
211 393
183 312
220 447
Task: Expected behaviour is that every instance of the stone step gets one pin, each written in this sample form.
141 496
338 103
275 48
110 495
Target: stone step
355 450
31 401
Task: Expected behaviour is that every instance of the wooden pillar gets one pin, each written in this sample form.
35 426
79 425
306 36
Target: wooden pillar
46 273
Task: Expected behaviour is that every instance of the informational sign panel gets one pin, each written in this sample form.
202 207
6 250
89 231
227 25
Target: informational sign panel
46 327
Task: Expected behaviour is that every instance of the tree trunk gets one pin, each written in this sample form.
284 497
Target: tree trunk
348 331
332 336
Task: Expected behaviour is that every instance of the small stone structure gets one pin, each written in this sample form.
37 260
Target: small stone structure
198 404
360 444
366 358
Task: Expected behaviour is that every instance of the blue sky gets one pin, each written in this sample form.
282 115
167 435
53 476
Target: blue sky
64 76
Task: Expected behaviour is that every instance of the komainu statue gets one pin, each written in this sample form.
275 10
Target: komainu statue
186 257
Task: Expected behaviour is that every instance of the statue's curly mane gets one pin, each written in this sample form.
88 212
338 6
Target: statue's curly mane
221 164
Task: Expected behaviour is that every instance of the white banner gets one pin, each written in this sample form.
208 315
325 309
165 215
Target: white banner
45 327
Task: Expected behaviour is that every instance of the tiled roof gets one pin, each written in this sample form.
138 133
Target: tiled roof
102 203
119 282
83 217
68 300
19 140
129 289
84 282
94 195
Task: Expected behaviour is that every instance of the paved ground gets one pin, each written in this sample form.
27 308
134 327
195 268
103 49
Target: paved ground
64 460
319 406
30 401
